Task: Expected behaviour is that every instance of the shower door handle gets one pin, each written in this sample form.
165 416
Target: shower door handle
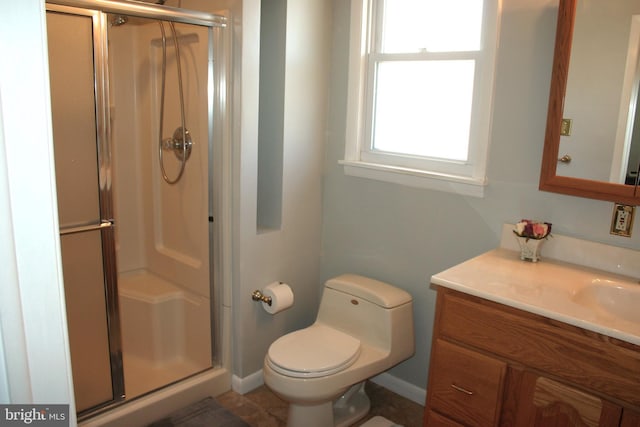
105 223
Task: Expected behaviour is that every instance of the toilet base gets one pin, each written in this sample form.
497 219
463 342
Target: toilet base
310 415
379 421
351 406
344 411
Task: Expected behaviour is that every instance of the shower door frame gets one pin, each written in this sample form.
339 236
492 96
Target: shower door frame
105 199
98 10
148 10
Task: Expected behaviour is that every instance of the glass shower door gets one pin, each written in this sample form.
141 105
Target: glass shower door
84 206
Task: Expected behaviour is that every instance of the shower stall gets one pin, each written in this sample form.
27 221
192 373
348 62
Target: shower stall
135 92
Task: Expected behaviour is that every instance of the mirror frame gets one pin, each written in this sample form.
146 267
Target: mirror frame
549 180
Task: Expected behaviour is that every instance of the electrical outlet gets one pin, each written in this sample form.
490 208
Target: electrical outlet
622 220
565 127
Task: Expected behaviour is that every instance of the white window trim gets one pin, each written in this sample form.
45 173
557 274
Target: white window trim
472 184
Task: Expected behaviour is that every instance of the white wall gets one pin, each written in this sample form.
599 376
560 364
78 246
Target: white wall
404 235
35 362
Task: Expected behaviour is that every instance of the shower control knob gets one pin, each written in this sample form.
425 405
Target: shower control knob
180 143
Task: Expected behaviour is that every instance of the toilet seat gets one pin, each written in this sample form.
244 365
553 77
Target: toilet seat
313 352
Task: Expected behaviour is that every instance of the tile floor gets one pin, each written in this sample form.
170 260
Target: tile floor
261 408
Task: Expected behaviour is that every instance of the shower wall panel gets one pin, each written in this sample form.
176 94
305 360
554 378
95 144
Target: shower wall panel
162 228
126 151
180 244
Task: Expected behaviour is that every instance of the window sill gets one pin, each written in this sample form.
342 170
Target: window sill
465 186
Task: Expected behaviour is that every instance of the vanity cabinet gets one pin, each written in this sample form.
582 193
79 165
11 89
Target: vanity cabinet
630 418
494 365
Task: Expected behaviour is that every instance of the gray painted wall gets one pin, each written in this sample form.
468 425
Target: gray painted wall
404 235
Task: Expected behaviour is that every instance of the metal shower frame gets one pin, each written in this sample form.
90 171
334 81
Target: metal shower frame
154 12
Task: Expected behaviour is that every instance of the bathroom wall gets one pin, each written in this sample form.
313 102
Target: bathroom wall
404 235
290 253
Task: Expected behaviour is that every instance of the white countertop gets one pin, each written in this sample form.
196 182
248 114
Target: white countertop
547 288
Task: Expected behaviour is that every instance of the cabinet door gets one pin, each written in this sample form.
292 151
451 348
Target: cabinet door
630 418
548 403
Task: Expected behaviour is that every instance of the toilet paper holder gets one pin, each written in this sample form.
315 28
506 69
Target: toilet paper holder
258 296
275 297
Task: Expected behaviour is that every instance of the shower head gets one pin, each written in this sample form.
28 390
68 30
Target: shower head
119 20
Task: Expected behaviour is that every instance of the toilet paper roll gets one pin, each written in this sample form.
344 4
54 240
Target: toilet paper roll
281 297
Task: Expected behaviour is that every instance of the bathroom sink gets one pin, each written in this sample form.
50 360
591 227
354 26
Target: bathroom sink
618 299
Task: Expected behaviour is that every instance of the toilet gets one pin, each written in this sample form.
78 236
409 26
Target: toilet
363 328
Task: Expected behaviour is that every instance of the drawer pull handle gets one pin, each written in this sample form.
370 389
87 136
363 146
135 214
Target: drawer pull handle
462 390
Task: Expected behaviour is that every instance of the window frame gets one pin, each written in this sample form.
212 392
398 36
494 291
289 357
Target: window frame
468 177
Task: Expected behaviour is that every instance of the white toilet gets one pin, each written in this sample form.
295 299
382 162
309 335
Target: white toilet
363 328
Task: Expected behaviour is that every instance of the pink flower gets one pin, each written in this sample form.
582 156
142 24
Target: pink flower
539 230
532 229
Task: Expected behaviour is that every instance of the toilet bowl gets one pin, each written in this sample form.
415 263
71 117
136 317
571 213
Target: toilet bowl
363 328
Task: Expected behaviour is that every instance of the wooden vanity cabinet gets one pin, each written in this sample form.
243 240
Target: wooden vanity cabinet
493 365
630 418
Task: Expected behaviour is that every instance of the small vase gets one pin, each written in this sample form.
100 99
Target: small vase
529 248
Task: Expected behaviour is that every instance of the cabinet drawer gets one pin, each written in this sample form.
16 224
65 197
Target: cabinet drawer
465 385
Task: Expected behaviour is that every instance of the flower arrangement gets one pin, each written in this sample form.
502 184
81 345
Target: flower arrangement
533 229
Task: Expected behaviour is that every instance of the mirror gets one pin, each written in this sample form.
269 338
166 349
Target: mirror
594 84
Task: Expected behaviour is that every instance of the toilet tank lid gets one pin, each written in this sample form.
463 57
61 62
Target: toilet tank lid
372 290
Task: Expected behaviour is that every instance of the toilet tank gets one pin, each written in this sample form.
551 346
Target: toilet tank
372 311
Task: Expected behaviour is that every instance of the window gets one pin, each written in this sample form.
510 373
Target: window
420 92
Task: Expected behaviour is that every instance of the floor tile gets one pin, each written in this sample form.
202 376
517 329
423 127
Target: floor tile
262 408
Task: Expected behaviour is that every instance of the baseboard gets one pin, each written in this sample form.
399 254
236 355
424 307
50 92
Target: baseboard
401 387
246 384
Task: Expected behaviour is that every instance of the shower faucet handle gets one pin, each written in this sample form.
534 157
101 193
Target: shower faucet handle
168 144
180 143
